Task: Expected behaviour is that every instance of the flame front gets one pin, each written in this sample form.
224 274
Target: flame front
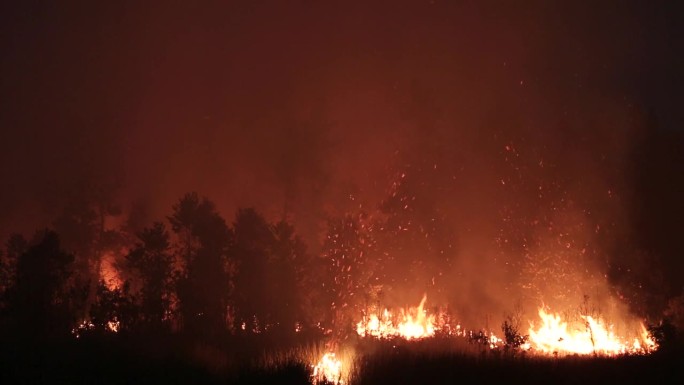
590 337
411 323
328 369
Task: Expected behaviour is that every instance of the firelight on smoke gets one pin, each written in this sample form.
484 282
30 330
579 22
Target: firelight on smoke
109 272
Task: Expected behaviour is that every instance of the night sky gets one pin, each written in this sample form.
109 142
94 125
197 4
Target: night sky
312 109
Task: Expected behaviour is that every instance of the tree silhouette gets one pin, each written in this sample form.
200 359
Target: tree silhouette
37 300
81 226
114 310
253 240
152 261
203 286
16 245
286 277
270 282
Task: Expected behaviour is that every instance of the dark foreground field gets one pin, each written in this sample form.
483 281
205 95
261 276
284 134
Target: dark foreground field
459 369
170 361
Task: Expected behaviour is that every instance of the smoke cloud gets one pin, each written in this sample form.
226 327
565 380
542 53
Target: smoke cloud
518 122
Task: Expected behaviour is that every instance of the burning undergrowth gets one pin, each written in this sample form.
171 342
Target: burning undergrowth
417 330
543 272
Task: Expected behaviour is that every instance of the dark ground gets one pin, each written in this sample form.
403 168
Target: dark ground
134 361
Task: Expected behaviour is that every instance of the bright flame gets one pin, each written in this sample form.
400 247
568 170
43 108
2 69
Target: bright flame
328 369
113 326
109 273
411 323
494 341
590 337
82 327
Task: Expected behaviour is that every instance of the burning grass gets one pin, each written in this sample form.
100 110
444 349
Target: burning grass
548 335
442 360
408 323
409 345
589 336
419 343
412 338
116 358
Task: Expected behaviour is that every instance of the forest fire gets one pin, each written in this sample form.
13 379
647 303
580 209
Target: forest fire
338 192
591 336
554 336
109 274
410 323
328 369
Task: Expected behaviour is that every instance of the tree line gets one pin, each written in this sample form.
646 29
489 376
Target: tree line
195 273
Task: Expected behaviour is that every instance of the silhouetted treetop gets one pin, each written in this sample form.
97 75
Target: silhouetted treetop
200 219
204 284
152 261
37 298
251 229
15 246
253 243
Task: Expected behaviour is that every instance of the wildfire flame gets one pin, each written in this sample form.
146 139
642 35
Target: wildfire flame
113 326
553 336
85 326
592 336
411 323
328 369
109 272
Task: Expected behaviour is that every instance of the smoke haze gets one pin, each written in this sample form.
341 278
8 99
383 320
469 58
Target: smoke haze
517 124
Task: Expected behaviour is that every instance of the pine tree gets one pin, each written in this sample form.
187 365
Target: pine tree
152 261
204 284
37 300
